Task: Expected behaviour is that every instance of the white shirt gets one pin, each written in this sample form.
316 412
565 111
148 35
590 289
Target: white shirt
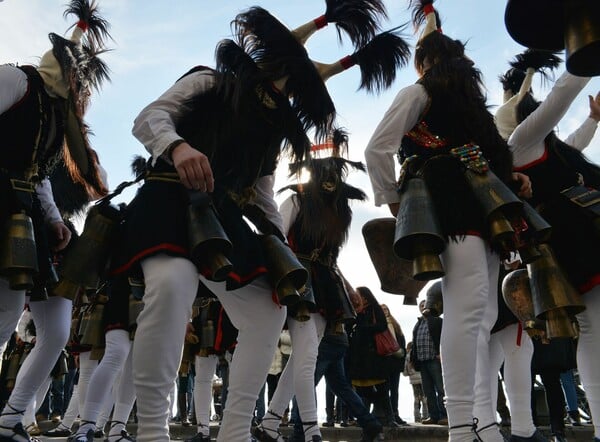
155 128
13 87
400 118
527 141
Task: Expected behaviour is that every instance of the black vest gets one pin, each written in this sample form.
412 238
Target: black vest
32 130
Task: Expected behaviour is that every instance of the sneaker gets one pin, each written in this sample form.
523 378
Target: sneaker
429 421
328 424
443 421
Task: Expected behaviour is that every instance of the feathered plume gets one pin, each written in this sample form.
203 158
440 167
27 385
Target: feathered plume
380 58
543 62
359 19
419 15
90 20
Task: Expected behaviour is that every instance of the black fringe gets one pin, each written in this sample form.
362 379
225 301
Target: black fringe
359 19
380 58
139 165
274 48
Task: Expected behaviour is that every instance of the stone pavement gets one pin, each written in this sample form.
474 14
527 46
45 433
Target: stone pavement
414 432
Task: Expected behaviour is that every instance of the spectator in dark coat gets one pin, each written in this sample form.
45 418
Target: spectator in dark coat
369 371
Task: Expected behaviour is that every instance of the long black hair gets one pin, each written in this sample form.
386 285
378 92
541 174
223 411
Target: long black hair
458 102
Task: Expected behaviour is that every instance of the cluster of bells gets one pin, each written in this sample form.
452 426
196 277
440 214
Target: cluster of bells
540 297
85 265
573 25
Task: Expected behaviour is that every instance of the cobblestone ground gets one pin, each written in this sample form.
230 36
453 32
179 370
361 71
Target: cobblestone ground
414 432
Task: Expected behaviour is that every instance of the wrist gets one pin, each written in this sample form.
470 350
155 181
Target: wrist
175 144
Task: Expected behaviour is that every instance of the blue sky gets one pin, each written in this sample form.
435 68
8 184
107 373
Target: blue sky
157 41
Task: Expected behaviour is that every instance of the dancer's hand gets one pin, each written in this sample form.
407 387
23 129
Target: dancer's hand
62 235
525 190
595 107
193 168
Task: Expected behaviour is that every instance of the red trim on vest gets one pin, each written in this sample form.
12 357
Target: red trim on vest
428 9
321 21
250 276
590 284
534 162
144 253
219 336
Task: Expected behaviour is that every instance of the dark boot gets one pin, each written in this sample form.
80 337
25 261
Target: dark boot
182 405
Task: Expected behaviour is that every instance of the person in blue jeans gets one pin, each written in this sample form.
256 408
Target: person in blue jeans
330 363
567 381
425 357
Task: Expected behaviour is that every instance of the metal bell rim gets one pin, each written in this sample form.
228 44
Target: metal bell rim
537 24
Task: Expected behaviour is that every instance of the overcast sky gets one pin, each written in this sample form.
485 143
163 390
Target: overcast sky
155 42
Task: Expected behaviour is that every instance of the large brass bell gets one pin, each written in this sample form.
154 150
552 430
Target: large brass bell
558 24
499 204
18 254
418 236
209 244
207 337
538 232
86 261
93 333
554 298
516 292
434 303
395 273
288 276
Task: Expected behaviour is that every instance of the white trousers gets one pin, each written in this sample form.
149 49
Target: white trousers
52 319
588 353
504 348
113 369
259 322
12 303
206 368
171 286
298 376
471 279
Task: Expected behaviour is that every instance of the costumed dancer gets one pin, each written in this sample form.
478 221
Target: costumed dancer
555 166
211 334
41 117
436 122
508 344
264 93
114 369
316 220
